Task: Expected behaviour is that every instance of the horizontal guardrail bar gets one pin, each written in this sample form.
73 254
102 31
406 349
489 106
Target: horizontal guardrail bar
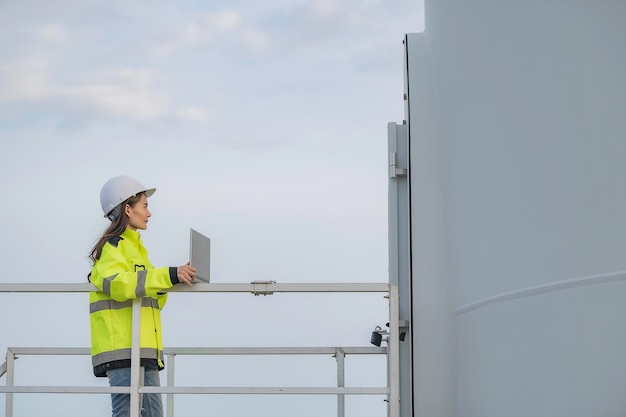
194 390
265 390
53 351
224 351
276 351
63 390
212 287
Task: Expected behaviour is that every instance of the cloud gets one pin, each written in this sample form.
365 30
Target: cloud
124 93
163 48
209 26
349 22
138 104
325 7
171 70
52 33
194 33
256 40
224 21
24 81
211 29
192 114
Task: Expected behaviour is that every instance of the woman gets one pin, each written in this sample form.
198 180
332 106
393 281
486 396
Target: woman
122 272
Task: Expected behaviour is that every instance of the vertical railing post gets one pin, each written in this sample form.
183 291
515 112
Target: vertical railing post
135 359
400 246
341 381
170 384
10 360
393 352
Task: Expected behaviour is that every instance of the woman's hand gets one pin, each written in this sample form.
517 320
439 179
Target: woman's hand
186 274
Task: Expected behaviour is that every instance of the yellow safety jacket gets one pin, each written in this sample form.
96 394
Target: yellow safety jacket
124 273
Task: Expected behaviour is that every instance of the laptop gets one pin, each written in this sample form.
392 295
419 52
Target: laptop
200 255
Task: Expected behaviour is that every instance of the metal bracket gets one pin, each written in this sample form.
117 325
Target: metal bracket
394 171
339 352
264 291
403 328
4 366
379 334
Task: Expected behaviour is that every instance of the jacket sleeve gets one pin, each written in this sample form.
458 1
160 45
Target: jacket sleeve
114 275
162 299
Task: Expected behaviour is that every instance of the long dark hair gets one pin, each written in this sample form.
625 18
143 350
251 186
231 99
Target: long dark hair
116 228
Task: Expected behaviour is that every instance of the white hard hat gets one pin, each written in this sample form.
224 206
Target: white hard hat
119 189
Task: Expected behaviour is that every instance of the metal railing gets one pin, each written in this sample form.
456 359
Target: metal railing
257 288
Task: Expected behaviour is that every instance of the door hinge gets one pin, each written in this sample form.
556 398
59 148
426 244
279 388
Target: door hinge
394 171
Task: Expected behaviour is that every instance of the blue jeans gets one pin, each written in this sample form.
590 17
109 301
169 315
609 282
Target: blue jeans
151 404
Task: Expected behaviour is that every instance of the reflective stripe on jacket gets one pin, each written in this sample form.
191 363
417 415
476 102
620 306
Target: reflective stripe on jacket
124 273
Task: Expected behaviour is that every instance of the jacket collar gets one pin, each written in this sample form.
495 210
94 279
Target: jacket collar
131 235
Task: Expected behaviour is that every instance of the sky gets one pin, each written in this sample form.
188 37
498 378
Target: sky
261 124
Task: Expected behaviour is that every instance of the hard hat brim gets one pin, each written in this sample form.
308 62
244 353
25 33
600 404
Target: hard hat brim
148 193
